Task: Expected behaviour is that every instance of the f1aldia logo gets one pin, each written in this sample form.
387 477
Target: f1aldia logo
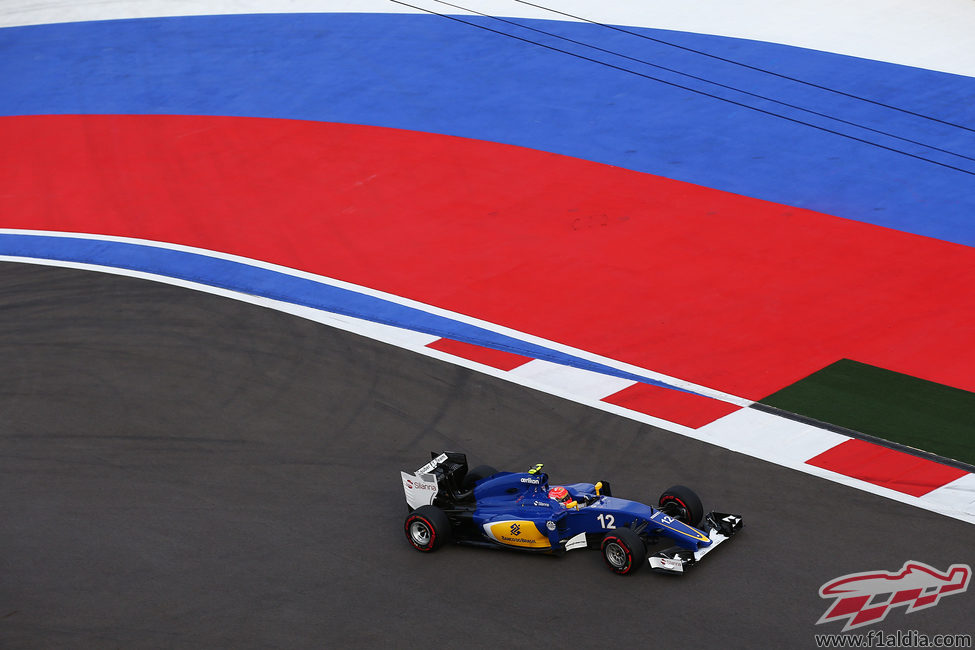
866 598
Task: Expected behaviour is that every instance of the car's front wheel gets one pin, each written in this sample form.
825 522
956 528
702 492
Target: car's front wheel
624 551
683 504
427 528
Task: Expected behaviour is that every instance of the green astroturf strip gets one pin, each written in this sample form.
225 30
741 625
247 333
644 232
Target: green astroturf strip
889 405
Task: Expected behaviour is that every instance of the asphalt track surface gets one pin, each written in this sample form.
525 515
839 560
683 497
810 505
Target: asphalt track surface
183 470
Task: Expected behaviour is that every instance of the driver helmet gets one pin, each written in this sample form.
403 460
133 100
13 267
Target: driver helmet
560 494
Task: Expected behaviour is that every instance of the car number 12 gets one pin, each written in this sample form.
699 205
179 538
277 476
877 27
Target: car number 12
608 522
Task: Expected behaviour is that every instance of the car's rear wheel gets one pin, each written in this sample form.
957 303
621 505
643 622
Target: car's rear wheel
683 504
477 474
427 528
624 551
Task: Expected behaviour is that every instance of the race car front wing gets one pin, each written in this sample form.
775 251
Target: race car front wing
720 527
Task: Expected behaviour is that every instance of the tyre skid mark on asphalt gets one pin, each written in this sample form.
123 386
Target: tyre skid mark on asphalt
745 430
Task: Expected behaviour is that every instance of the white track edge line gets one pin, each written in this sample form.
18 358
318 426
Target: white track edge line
406 302
700 435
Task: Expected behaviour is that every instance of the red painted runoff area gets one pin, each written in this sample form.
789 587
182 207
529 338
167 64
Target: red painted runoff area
888 468
734 293
675 406
488 356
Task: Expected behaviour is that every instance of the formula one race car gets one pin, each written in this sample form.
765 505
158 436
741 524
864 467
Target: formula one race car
485 507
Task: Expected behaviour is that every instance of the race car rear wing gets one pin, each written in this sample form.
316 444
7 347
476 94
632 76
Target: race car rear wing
422 486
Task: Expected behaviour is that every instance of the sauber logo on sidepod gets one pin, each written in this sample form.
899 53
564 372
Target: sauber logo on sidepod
865 598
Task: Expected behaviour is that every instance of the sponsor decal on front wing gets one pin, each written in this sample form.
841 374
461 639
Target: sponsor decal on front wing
667 564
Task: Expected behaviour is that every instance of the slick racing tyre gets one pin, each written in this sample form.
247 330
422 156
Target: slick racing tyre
624 551
478 473
427 528
682 504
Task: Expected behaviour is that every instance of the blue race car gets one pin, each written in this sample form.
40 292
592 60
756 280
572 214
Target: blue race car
449 502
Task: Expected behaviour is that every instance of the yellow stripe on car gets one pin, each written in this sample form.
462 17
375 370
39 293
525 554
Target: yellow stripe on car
520 533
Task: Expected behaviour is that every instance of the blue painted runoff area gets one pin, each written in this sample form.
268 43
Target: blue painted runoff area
874 142
266 283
